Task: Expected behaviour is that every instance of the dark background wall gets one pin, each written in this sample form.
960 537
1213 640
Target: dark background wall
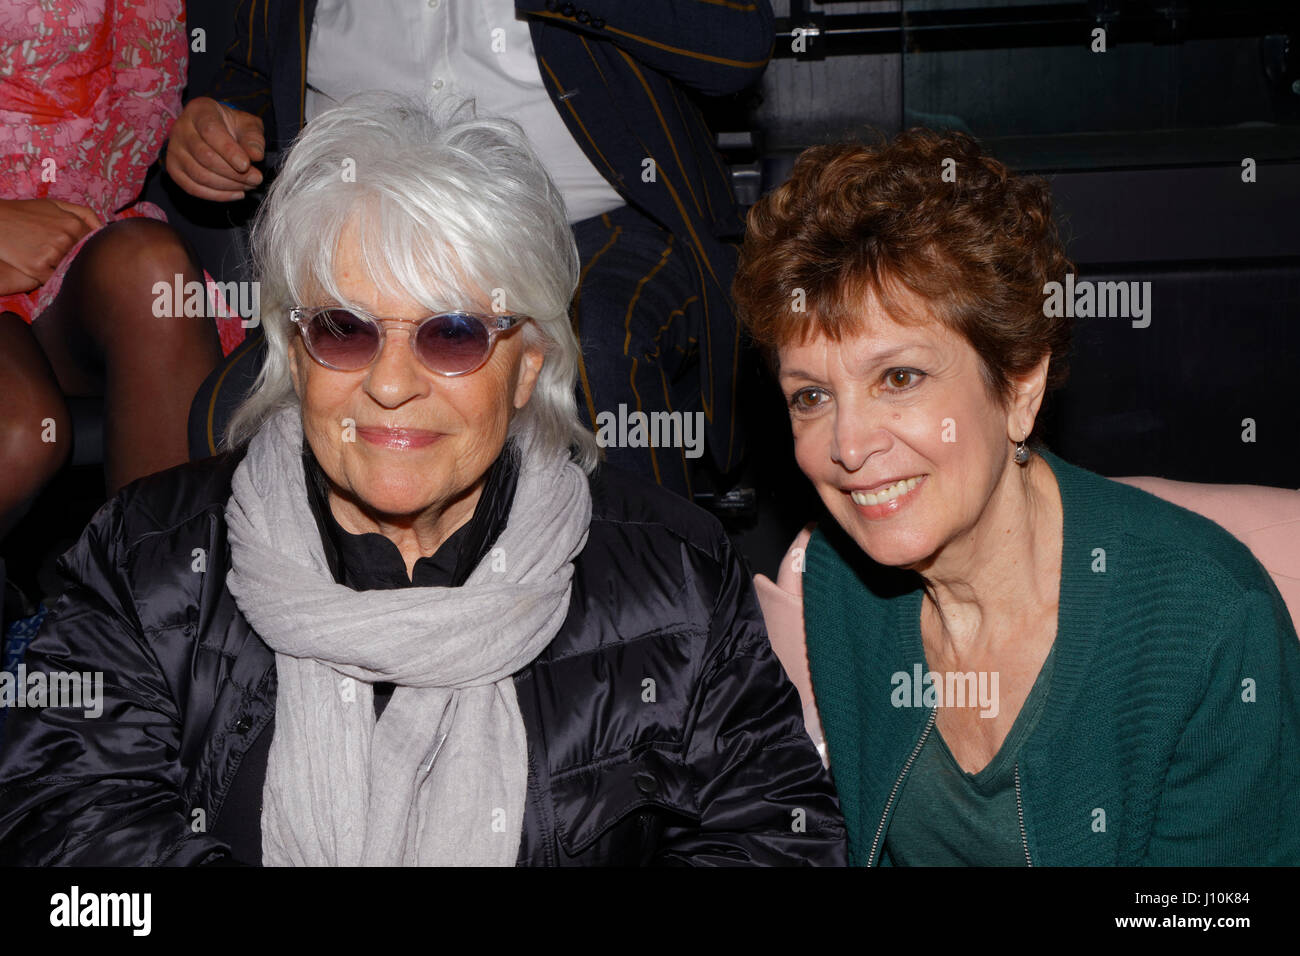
1142 146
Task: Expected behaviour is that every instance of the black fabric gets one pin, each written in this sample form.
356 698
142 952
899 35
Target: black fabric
660 727
366 562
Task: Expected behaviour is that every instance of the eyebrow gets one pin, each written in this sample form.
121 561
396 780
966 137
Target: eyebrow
880 358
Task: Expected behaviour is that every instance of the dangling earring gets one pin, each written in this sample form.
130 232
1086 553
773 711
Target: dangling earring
1022 453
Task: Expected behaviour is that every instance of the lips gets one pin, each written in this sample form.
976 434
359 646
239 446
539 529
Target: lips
884 501
886 491
398 437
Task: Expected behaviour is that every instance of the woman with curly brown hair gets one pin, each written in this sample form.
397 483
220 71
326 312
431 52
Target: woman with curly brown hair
1015 661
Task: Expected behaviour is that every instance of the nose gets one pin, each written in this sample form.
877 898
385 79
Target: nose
858 434
396 376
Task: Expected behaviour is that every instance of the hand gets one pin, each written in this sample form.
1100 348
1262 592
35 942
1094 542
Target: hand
212 150
35 235
15 280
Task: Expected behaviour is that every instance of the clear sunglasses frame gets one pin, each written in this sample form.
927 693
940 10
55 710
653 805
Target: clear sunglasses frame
496 325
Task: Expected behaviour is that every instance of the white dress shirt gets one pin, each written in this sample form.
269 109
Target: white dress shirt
463 48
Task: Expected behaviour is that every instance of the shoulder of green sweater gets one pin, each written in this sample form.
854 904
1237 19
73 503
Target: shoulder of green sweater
1157 533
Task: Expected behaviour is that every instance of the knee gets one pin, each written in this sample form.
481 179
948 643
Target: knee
126 258
35 434
126 264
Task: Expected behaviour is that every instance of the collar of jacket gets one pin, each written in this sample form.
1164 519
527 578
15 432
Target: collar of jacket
852 671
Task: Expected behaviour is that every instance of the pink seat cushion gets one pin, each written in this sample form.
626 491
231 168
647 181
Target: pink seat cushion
782 604
1266 520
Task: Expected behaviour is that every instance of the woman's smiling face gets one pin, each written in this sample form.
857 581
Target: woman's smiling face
396 438
898 432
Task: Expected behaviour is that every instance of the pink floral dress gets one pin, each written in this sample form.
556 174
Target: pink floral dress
89 90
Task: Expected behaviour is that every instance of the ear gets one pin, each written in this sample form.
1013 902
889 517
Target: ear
530 367
1028 398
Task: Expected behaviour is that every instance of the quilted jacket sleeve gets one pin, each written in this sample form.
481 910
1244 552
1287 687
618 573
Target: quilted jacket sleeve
100 784
764 796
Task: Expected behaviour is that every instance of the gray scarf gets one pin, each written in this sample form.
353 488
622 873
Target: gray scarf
441 779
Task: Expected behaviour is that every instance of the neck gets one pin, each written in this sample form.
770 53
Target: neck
1005 568
416 535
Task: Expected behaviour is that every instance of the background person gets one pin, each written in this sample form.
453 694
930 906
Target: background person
85 105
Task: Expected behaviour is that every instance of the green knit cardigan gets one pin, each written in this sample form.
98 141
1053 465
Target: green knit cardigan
1171 730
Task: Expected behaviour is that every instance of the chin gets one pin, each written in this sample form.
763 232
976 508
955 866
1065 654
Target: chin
896 547
394 507
393 497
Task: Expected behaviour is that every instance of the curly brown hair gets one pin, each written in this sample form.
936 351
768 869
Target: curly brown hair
856 221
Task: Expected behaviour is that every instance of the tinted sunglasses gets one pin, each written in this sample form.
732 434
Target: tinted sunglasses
449 343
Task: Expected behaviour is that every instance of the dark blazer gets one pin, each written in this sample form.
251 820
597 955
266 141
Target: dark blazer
707 765
618 72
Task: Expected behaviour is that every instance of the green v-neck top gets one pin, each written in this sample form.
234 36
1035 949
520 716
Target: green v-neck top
949 817
1170 734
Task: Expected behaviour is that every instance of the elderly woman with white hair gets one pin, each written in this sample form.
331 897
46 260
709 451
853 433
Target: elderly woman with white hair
407 620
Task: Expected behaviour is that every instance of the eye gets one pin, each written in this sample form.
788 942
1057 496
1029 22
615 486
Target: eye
807 399
453 329
901 379
341 323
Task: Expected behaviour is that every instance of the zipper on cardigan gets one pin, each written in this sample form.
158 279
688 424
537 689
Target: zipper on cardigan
1020 812
934 713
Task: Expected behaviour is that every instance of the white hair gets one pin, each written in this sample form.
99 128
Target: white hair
448 207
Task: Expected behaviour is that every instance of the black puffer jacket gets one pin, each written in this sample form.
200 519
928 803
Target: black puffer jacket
711 767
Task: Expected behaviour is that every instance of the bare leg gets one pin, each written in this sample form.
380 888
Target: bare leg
33 412
101 335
